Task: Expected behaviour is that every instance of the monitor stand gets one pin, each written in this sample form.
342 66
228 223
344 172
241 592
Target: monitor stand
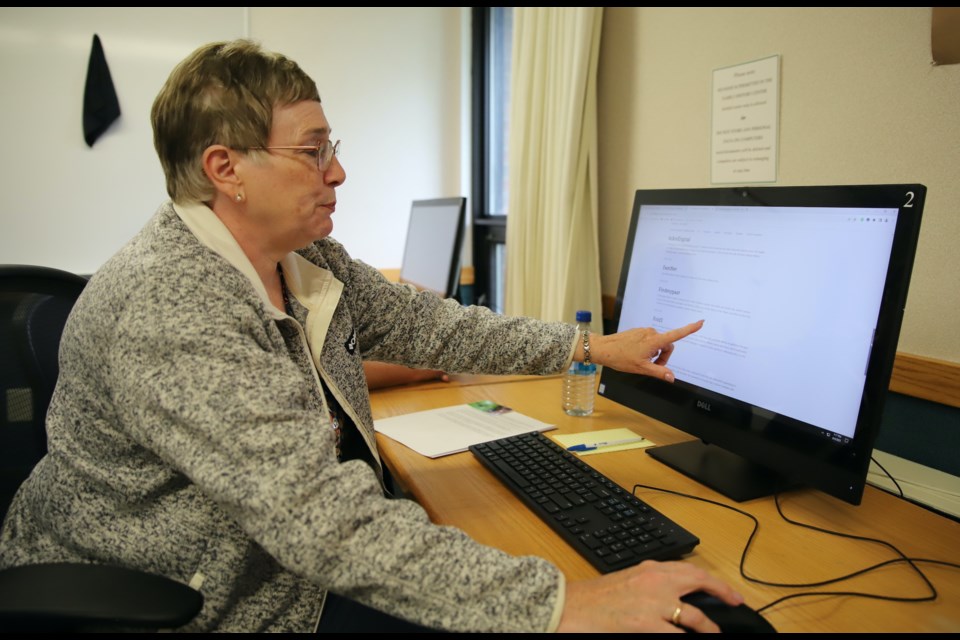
725 472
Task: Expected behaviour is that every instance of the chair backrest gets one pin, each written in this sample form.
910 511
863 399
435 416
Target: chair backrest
34 304
63 597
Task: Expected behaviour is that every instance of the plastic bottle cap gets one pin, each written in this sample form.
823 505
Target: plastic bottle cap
584 316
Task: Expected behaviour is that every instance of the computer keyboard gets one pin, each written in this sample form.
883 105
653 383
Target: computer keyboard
606 524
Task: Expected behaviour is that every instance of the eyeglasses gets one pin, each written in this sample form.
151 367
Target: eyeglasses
324 152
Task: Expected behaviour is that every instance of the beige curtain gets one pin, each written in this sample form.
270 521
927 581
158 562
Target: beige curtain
552 256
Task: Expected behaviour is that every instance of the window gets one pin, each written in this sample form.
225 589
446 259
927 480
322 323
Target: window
492 37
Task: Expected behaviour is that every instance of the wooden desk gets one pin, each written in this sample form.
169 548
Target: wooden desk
457 490
458 380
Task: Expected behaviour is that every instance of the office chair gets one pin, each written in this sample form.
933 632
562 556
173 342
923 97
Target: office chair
35 302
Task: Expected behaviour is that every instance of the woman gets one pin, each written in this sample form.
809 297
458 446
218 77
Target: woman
212 423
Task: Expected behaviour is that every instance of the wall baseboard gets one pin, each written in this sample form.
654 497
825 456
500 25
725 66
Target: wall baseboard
921 484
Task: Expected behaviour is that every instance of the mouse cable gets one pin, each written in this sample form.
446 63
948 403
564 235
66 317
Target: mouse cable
756 524
860 594
931 596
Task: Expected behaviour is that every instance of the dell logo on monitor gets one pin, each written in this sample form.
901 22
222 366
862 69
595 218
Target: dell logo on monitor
704 405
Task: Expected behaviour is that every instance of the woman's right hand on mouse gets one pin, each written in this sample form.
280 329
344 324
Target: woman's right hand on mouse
643 598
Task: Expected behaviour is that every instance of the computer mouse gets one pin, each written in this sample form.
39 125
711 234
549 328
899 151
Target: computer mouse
739 619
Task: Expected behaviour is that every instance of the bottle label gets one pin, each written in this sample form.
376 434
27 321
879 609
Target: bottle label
581 369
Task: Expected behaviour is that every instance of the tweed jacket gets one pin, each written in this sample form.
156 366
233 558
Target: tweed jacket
188 438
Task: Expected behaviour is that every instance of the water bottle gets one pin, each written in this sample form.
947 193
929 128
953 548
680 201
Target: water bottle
579 383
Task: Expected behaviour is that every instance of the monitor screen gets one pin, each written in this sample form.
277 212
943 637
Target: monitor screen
431 258
802 290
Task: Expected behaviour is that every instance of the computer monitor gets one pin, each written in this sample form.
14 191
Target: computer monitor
431 257
802 290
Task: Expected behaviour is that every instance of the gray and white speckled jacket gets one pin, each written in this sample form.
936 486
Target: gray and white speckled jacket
187 438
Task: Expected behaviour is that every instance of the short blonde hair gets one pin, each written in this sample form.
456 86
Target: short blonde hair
222 93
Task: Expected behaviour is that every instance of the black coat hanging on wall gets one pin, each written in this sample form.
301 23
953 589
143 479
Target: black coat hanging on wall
100 105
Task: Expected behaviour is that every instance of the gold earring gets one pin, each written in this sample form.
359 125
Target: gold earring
239 197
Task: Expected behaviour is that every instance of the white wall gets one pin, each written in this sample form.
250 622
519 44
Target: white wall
391 80
64 204
860 103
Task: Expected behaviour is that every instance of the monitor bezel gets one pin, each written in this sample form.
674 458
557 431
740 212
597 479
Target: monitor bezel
782 457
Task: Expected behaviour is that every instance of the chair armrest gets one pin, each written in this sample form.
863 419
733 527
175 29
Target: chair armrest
84 597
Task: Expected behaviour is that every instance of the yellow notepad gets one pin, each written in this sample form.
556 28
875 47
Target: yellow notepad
605 441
